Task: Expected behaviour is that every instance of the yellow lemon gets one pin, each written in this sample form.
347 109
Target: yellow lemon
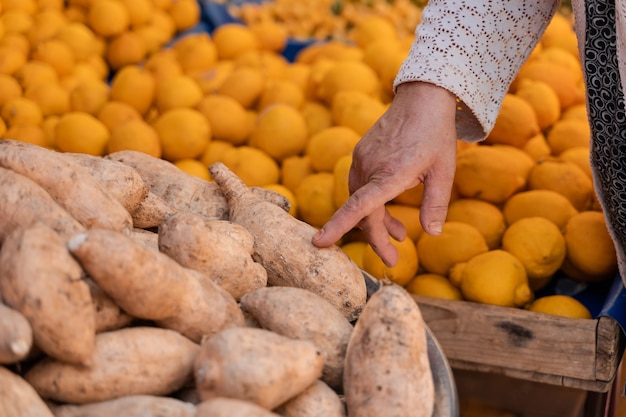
271 35
10 59
233 39
484 216
89 96
244 84
591 253
114 113
327 146
402 272
314 195
293 169
341 171
184 13
433 285
28 133
21 111
127 48
564 177
227 117
458 242
542 98
56 53
33 73
281 131
563 81
348 75
537 147
81 132
252 165
136 135
548 204
281 91
215 151
52 99
516 122
355 250
539 245
193 167
316 115
177 92
196 53
495 277
10 88
135 86
411 196
409 216
560 305
578 155
79 37
577 111
184 133
356 110
373 28
568 133
139 11
108 17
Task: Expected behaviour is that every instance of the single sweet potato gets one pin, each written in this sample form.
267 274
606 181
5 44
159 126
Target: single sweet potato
151 212
150 285
129 361
40 279
68 183
129 406
108 315
230 407
319 400
24 203
282 244
18 398
185 192
146 238
387 371
304 315
207 246
255 365
120 181
16 335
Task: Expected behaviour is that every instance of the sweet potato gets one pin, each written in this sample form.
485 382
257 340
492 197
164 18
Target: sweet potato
301 314
146 238
230 407
68 183
282 244
16 335
18 398
108 315
185 192
150 285
319 400
120 181
24 202
387 371
255 365
207 246
129 406
40 279
128 361
151 212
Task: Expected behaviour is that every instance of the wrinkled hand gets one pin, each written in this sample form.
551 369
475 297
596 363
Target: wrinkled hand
413 142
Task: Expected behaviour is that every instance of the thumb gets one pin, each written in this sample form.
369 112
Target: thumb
434 208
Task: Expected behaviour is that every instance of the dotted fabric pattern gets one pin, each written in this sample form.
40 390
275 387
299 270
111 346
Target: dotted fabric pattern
475 49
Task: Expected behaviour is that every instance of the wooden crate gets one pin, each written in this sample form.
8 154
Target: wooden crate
575 353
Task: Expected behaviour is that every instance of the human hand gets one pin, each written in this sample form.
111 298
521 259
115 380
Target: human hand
413 142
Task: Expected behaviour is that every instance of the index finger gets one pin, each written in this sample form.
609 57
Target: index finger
359 205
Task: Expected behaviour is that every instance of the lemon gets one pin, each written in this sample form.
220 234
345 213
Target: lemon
314 195
227 117
516 122
214 151
196 53
135 86
281 91
89 96
21 111
579 156
326 147
293 169
252 165
271 35
495 277
373 28
79 37
355 250
136 135
184 133
81 132
537 147
280 131
184 13
127 48
458 242
108 17
356 110
234 39
560 305
402 272
193 167
539 245
28 133
485 217
411 196
316 115
348 76
114 113
56 53
568 133
244 84
433 285
409 216
10 88
139 11
177 92
34 72
542 98
52 99
10 59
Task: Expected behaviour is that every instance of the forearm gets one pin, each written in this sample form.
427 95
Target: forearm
474 50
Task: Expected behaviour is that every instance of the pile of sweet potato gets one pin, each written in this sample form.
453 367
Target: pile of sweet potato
128 287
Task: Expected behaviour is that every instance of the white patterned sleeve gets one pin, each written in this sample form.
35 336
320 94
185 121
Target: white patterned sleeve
474 49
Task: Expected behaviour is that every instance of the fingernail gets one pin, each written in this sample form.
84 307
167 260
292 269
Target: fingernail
436 227
318 235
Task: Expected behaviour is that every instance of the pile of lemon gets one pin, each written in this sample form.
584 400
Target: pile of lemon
99 76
